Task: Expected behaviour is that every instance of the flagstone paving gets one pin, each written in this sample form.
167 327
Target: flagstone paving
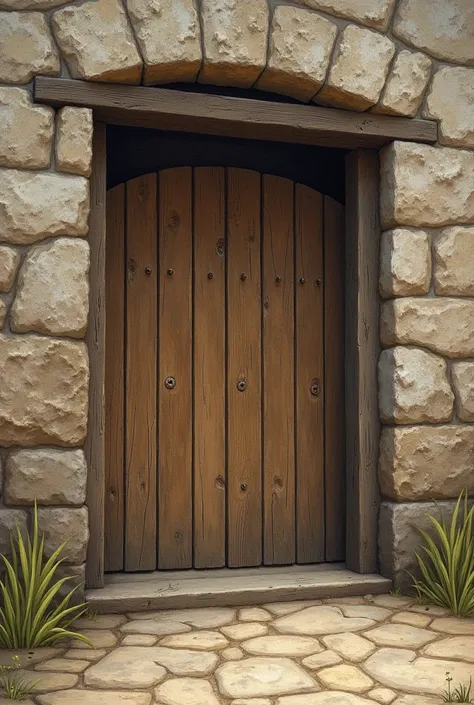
343 651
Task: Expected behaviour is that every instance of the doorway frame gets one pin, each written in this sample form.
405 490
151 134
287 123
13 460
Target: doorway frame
363 134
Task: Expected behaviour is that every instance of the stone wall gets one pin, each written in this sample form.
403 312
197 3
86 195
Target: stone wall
398 57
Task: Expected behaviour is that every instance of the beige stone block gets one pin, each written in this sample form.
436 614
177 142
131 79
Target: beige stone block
97 42
9 261
27 131
169 37
235 41
3 312
374 13
47 475
300 48
359 69
36 205
443 325
26 47
53 289
43 391
405 262
74 141
462 374
9 520
454 255
59 525
30 4
451 101
425 462
405 85
426 186
76 575
443 28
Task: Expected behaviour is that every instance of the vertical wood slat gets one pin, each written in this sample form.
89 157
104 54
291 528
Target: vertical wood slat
209 368
244 481
175 457
95 339
114 379
309 338
362 350
278 372
140 518
335 463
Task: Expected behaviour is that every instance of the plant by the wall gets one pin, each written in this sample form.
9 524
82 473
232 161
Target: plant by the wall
460 694
447 566
30 616
15 685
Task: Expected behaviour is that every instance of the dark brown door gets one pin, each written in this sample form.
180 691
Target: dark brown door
224 387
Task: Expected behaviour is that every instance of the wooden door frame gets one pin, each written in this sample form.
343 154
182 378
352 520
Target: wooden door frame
363 134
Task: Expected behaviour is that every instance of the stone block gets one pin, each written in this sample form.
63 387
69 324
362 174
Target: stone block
462 374
426 186
405 262
74 141
9 261
300 48
65 524
26 47
169 37
454 255
37 205
47 475
3 312
451 101
235 41
374 13
9 520
77 575
53 289
29 4
359 69
43 391
27 131
426 462
97 42
405 85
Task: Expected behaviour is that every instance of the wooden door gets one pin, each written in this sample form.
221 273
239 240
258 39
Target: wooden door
225 380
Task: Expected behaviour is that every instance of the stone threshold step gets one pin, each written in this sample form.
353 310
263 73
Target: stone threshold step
127 592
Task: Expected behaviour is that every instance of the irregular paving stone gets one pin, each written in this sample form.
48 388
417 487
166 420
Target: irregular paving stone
416 700
375 13
139 640
59 525
26 47
402 635
321 620
382 695
28 657
254 614
462 375
453 625
299 51
169 38
9 261
100 638
454 249
295 646
326 698
74 141
451 101
155 626
405 85
354 600
345 677
431 610
415 620
200 641
30 4
64 665
282 608
325 658
97 42
27 130
405 262
251 701
233 653
94 697
37 205
186 691
369 611
53 289
49 681
247 630
351 647
202 618
86 654
359 69
458 647
256 677
100 621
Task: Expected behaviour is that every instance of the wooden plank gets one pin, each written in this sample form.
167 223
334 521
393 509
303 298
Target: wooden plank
114 379
278 372
166 109
95 339
140 445
335 464
244 453
209 368
175 499
362 351
310 388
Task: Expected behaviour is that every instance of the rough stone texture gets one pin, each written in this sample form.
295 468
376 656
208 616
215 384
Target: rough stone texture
248 630
3 312
351 647
9 519
94 697
375 13
276 645
382 695
169 37
335 697
403 635
9 261
345 677
43 391
76 575
37 205
53 289
47 475
454 625
199 641
321 620
413 387
405 262
74 141
65 665
443 28
426 186
256 677
100 638
325 658
462 375
233 653
27 130
59 525
87 654
254 614
99 621
454 252
186 691
26 47
379 614
235 41
414 620
405 85
282 608
461 647
300 48
445 326
97 42
139 640
451 101
359 69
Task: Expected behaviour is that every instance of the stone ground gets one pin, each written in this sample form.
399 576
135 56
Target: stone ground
344 651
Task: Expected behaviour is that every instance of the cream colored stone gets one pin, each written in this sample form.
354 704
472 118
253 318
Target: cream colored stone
247 630
86 654
379 614
321 620
43 391
375 13
47 475
416 700
199 641
300 48
235 41
462 374
169 37
443 325
139 640
351 647
26 47
262 677
200 617
458 647
59 525
454 625
27 130
74 141
3 312
345 677
279 645
359 69
328 697
97 42
426 186
249 701
405 85
157 627
405 262
233 653
443 28
451 101
186 691
282 608
9 261
414 620
30 4
254 614
64 665
454 252
393 602
413 387
53 289
429 610
49 681
37 205
9 520
402 635
100 638
382 695
99 621
325 658
94 697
